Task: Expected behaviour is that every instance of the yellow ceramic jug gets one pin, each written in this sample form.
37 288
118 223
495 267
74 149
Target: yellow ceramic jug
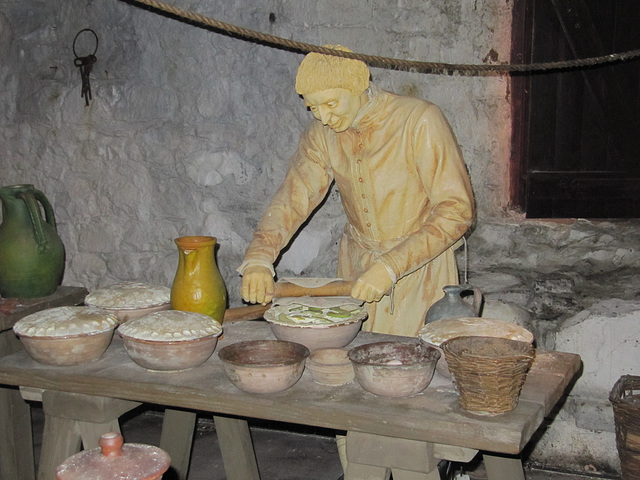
198 285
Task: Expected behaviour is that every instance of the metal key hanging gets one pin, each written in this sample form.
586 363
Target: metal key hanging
85 64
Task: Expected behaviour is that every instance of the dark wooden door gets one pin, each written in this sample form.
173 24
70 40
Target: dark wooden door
580 132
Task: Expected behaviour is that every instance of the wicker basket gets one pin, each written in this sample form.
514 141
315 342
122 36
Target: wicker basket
625 399
488 372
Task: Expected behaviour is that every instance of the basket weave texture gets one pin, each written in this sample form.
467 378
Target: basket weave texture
625 399
488 372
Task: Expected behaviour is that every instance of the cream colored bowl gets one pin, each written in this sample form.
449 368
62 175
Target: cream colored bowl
66 335
170 340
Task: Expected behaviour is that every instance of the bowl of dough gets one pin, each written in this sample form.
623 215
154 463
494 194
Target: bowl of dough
66 335
129 300
316 322
394 369
264 366
170 340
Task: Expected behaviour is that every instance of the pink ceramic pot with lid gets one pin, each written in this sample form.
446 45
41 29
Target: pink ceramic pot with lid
114 459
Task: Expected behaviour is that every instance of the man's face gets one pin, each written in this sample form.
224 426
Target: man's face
337 107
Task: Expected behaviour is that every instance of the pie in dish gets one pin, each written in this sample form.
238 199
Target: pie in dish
315 311
170 325
65 322
129 295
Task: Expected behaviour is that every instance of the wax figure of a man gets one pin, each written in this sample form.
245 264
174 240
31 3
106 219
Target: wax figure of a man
404 188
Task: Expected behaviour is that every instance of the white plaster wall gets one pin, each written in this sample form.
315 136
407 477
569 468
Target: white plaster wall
190 132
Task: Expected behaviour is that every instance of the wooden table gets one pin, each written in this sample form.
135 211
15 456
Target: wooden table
16 443
426 427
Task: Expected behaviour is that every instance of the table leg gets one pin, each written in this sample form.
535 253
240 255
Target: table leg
16 440
236 446
60 440
178 427
408 475
503 467
359 471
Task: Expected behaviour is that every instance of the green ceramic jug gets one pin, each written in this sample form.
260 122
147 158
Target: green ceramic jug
31 252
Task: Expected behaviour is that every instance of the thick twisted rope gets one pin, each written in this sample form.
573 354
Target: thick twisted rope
374 60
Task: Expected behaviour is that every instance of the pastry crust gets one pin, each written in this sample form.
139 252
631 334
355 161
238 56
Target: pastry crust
129 295
65 321
170 325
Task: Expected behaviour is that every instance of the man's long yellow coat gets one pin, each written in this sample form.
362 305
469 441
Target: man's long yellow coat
406 194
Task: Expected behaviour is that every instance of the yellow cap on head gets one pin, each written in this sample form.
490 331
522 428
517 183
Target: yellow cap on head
318 72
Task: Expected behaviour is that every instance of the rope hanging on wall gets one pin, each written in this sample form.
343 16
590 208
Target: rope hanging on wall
373 60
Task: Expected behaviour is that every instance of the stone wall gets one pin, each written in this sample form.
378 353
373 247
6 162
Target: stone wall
189 132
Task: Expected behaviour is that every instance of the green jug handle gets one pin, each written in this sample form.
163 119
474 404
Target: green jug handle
48 209
36 218
477 297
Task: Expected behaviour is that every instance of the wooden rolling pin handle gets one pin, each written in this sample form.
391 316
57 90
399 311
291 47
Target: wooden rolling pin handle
251 312
339 288
285 289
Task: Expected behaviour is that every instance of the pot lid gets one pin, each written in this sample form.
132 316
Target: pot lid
115 459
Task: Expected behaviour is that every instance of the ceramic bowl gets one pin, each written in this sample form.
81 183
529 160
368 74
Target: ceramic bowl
436 333
69 350
66 335
315 337
330 322
264 366
394 369
170 356
330 366
170 340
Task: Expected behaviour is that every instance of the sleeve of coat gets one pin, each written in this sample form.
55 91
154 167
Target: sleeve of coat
304 187
444 176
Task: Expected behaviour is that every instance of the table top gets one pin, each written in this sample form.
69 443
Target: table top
432 416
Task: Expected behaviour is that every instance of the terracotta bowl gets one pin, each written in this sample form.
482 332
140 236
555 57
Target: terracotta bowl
264 366
170 340
315 337
394 369
170 356
330 366
436 333
67 350
69 335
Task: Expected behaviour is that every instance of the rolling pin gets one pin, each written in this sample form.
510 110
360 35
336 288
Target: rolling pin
337 288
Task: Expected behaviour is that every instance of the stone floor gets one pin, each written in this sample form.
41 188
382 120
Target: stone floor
283 451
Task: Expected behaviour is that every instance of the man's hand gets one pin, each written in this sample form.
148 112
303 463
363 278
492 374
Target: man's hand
257 285
372 284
